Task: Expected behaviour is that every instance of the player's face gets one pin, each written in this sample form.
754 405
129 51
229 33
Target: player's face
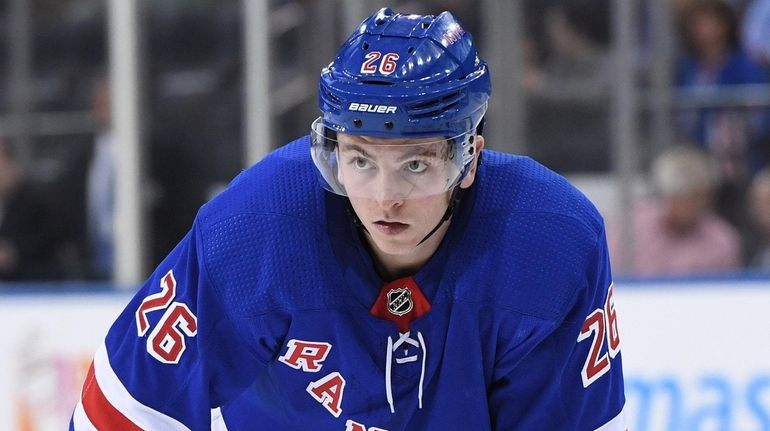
395 169
389 183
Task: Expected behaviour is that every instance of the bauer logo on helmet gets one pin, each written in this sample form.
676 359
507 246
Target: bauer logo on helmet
375 109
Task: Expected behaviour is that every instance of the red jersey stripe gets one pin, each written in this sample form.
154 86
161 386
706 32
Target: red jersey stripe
100 412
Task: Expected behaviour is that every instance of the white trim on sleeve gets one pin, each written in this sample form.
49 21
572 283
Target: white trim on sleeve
217 421
79 419
144 417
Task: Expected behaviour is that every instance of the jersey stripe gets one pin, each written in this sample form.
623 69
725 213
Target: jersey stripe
118 396
99 411
618 423
80 421
217 421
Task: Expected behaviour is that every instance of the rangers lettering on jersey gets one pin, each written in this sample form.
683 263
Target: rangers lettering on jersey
352 425
328 391
306 355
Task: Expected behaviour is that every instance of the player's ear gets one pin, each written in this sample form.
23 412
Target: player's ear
468 180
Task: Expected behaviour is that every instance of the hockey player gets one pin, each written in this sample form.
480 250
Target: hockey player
412 285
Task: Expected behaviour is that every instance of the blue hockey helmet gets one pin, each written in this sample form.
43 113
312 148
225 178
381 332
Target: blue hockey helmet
408 77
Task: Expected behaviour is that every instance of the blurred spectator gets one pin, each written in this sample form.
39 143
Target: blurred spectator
29 237
756 31
678 233
567 112
100 188
737 137
758 243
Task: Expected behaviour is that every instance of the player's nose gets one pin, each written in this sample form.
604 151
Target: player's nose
390 190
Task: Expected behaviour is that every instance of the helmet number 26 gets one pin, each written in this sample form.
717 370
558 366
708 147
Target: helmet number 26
386 66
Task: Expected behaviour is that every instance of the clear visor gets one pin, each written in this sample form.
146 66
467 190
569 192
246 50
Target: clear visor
390 169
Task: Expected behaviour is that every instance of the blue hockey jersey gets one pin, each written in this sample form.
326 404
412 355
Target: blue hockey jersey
268 315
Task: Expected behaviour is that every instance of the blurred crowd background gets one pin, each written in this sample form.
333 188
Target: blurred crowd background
687 192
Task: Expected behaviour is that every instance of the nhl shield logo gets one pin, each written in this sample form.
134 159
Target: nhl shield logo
400 301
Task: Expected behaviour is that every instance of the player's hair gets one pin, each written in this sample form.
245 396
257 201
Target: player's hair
716 8
683 169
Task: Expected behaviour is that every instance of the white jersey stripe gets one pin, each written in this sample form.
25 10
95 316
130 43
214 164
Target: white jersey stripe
618 423
143 416
80 420
217 421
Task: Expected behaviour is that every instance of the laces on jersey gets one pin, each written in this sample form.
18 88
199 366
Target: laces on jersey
404 341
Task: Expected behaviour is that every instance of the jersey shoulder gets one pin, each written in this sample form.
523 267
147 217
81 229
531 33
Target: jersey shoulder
532 238
520 185
261 237
283 182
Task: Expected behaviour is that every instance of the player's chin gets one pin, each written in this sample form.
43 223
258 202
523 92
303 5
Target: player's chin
394 245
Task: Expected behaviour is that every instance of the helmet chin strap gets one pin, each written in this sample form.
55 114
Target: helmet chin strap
453 200
354 218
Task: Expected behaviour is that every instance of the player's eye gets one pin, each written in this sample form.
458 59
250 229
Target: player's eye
361 163
416 166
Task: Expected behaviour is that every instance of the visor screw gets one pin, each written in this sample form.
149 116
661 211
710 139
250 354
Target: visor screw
388 125
357 123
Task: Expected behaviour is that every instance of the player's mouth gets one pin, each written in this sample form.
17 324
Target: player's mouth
390 228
